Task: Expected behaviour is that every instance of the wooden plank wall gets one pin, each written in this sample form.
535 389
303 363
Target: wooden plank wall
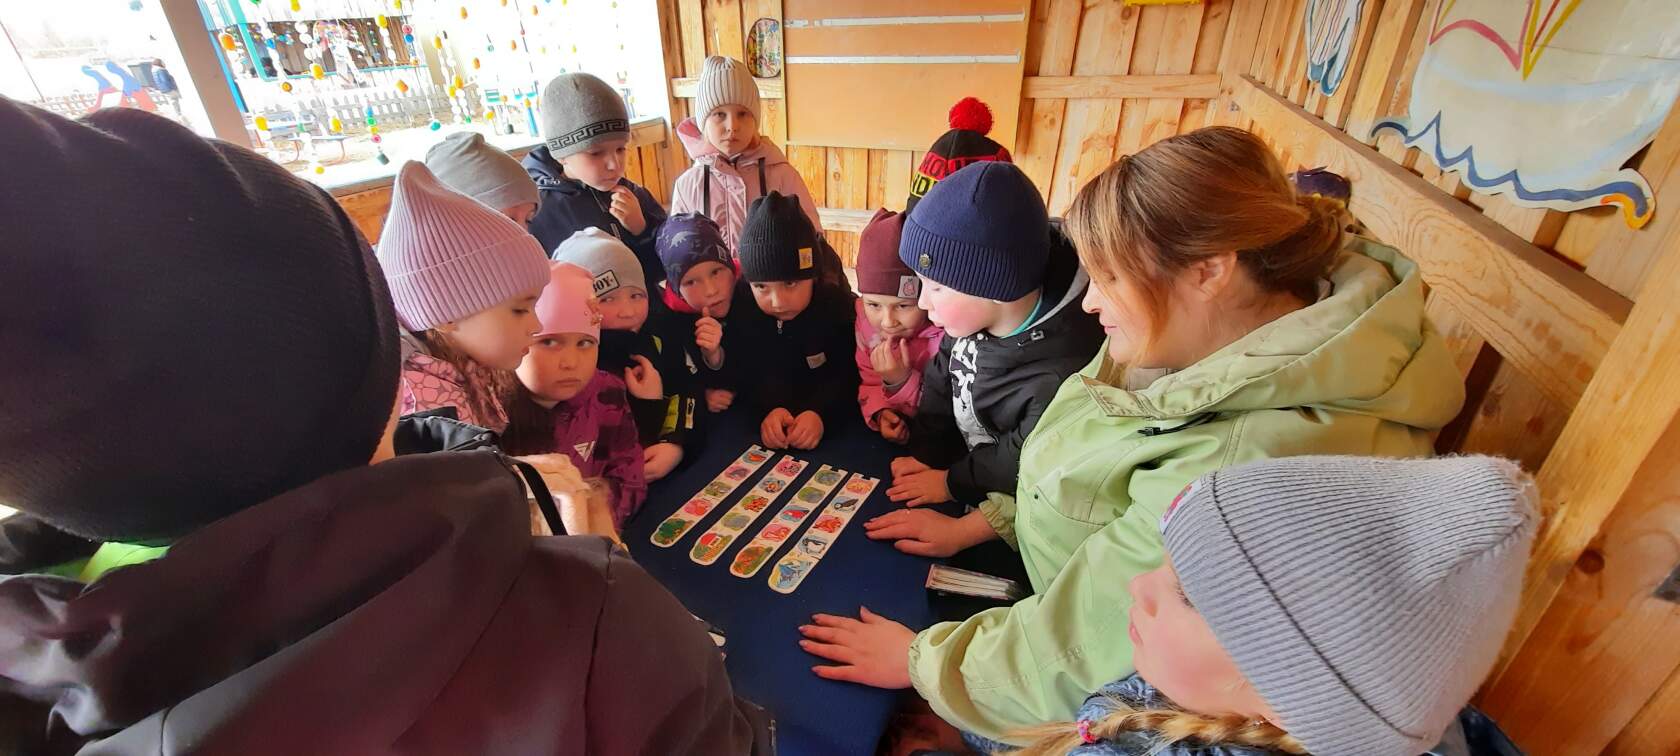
1592 667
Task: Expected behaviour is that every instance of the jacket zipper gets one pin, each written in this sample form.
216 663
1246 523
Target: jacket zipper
1201 419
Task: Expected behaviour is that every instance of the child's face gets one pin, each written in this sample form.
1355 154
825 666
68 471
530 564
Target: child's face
894 317
731 129
709 285
624 309
1175 650
783 300
497 337
959 314
521 213
600 166
559 365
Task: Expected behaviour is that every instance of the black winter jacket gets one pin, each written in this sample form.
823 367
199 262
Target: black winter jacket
1005 383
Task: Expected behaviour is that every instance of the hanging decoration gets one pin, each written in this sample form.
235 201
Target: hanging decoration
1330 28
1545 102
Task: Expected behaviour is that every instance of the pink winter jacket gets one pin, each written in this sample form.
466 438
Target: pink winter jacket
428 383
735 182
872 394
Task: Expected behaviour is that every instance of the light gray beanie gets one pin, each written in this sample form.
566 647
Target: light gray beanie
578 110
463 161
608 261
1365 599
725 81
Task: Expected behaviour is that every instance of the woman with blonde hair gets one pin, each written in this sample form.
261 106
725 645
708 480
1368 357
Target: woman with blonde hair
1242 325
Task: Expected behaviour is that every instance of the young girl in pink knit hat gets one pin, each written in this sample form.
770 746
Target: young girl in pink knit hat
563 404
464 279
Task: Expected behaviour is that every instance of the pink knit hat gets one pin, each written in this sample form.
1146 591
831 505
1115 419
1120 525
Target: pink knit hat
568 303
446 256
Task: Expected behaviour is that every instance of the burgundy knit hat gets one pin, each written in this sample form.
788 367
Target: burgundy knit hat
195 330
879 271
964 144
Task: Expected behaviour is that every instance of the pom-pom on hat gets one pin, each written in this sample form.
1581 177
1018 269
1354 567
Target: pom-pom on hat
567 304
965 143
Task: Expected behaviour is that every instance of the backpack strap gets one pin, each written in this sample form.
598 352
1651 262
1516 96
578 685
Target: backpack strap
706 192
539 491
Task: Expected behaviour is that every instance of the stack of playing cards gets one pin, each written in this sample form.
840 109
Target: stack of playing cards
969 583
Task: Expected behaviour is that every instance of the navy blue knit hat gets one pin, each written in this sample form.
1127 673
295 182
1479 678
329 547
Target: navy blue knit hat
982 231
777 241
686 240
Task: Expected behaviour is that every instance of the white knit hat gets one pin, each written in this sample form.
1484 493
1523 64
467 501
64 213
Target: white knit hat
725 81
463 161
611 264
447 256
1365 599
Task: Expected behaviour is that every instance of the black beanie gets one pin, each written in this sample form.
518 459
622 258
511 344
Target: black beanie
777 241
964 145
187 329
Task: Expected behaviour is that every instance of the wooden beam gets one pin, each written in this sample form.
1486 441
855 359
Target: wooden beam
1123 87
835 219
689 86
1090 128
1553 321
1050 46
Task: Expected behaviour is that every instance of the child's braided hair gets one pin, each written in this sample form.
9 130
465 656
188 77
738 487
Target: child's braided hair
1170 726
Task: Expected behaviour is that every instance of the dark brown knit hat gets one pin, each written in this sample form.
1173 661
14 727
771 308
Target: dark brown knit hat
188 329
879 271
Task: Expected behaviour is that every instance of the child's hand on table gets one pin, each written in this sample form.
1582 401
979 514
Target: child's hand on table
628 210
775 428
642 379
871 650
891 359
907 465
924 532
660 459
893 427
718 400
807 431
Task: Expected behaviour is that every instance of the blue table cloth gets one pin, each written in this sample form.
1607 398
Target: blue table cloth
765 662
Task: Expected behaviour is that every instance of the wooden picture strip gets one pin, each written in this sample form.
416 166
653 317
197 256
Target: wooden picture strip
711 544
825 529
695 509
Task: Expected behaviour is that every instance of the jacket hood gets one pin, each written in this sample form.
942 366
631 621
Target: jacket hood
700 150
348 604
1364 349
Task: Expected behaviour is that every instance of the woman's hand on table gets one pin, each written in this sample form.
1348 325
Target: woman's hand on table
871 650
924 532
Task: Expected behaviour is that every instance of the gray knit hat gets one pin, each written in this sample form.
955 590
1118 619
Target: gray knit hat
1365 599
463 161
579 110
725 81
608 261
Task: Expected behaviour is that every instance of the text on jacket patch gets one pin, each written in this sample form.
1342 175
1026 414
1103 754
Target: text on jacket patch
814 361
584 449
965 365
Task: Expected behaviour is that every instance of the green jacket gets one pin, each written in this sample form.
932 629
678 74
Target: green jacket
1358 372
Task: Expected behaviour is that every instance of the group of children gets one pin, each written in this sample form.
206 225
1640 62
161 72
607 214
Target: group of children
556 303
966 317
